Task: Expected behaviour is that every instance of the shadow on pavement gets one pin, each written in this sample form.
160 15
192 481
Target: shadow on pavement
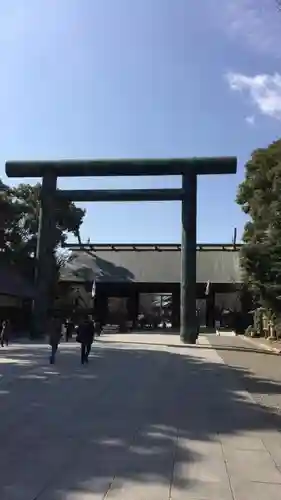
132 415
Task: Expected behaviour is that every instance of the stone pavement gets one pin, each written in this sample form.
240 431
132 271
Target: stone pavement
264 344
262 368
147 419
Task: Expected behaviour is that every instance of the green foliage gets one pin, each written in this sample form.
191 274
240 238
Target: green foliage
19 221
260 198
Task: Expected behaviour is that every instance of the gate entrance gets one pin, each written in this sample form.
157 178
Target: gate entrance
188 169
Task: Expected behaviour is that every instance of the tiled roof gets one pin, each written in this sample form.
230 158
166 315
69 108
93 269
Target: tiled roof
148 265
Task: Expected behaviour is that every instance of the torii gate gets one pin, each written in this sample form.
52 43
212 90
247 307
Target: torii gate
189 169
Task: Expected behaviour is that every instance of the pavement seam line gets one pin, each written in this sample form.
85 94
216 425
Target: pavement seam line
134 435
227 472
261 345
272 457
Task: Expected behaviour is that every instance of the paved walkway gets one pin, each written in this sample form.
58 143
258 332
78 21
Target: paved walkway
147 419
259 370
265 344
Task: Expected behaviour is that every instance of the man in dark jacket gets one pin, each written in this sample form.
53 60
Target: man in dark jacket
69 329
5 333
85 336
55 328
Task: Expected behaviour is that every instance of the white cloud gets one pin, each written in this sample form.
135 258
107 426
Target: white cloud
255 23
264 91
250 120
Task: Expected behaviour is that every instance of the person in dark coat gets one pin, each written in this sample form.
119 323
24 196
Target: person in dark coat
69 329
85 335
197 323
55 330
5 333
98 328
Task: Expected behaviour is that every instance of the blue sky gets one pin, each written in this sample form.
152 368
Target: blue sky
141 78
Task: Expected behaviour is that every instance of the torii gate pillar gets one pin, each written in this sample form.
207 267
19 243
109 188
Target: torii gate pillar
188 322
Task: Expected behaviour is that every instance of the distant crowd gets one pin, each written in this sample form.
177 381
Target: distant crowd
84 333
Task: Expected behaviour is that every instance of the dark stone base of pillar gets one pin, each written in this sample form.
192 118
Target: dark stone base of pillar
188 341
189 337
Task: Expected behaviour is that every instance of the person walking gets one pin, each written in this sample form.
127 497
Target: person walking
54 337
85 335
5 333
197 323
69 329
97 328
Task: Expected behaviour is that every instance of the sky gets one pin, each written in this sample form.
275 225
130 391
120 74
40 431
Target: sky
141 78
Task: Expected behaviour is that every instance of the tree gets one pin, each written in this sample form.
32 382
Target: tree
259 195
5 209
20 209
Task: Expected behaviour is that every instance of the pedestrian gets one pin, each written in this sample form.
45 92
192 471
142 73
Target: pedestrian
5 333
85 336
69 329
197 323
55 328
97 328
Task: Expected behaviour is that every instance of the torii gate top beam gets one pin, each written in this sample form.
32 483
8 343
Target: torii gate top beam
114 168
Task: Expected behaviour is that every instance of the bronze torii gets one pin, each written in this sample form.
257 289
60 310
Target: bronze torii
189 169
